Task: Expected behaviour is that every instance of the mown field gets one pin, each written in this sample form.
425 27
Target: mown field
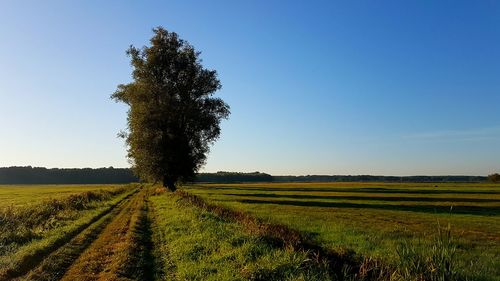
327 231
379 220
18 195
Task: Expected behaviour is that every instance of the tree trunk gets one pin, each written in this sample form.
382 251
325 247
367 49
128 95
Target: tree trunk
169 184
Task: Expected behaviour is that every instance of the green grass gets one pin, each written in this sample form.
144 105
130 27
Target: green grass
17 195
31 231
375 219
194 244
405 232
32 221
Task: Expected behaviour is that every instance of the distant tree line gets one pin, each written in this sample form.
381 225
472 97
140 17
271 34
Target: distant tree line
40 175
231 177
369 178
494 177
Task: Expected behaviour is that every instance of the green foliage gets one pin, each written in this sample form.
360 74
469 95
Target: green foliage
230 177
494 177
173 117
41 175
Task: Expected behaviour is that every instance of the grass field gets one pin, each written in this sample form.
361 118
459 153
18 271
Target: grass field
375 219
17 195
37 227
251 232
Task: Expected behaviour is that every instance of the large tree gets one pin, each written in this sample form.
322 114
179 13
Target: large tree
494 177
173 116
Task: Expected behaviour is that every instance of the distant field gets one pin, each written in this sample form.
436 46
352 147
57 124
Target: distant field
18 195
374 218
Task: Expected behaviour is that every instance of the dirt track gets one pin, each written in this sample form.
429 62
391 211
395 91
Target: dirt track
113 247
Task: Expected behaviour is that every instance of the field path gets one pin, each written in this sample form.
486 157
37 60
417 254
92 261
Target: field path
48 263
119 252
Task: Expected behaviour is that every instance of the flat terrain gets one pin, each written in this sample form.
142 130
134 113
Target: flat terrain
27 194
132 232
373 219
371 231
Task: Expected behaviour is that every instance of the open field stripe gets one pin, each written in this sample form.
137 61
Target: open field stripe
33 259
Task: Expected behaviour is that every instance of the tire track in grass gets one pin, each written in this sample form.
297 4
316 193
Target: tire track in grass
121 251
34 258
165 267
145 232
54 266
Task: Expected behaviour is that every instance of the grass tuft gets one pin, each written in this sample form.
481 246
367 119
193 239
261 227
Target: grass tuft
434 262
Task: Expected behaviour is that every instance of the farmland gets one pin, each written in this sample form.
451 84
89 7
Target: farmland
18 195
260 231
373 219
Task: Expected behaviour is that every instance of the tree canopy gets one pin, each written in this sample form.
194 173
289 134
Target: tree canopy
494 177
173 117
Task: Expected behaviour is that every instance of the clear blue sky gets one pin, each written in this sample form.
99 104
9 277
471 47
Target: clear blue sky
315 87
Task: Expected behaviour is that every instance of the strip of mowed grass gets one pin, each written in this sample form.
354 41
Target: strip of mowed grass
374 219
191 243
18 195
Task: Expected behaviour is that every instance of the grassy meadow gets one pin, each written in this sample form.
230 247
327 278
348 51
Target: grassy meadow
17 195
380 220
35 222
196 244
261 231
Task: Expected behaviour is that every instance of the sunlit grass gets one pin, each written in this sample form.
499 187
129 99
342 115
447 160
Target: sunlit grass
374 218
195 244
17 195
31 231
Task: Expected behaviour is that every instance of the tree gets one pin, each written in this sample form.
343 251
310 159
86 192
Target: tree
173 117
494 177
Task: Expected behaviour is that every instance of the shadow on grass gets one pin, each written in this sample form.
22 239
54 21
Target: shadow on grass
147 266
361 198
339 266
352 190
468 210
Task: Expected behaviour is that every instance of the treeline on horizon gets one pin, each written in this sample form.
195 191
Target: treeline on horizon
40 175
